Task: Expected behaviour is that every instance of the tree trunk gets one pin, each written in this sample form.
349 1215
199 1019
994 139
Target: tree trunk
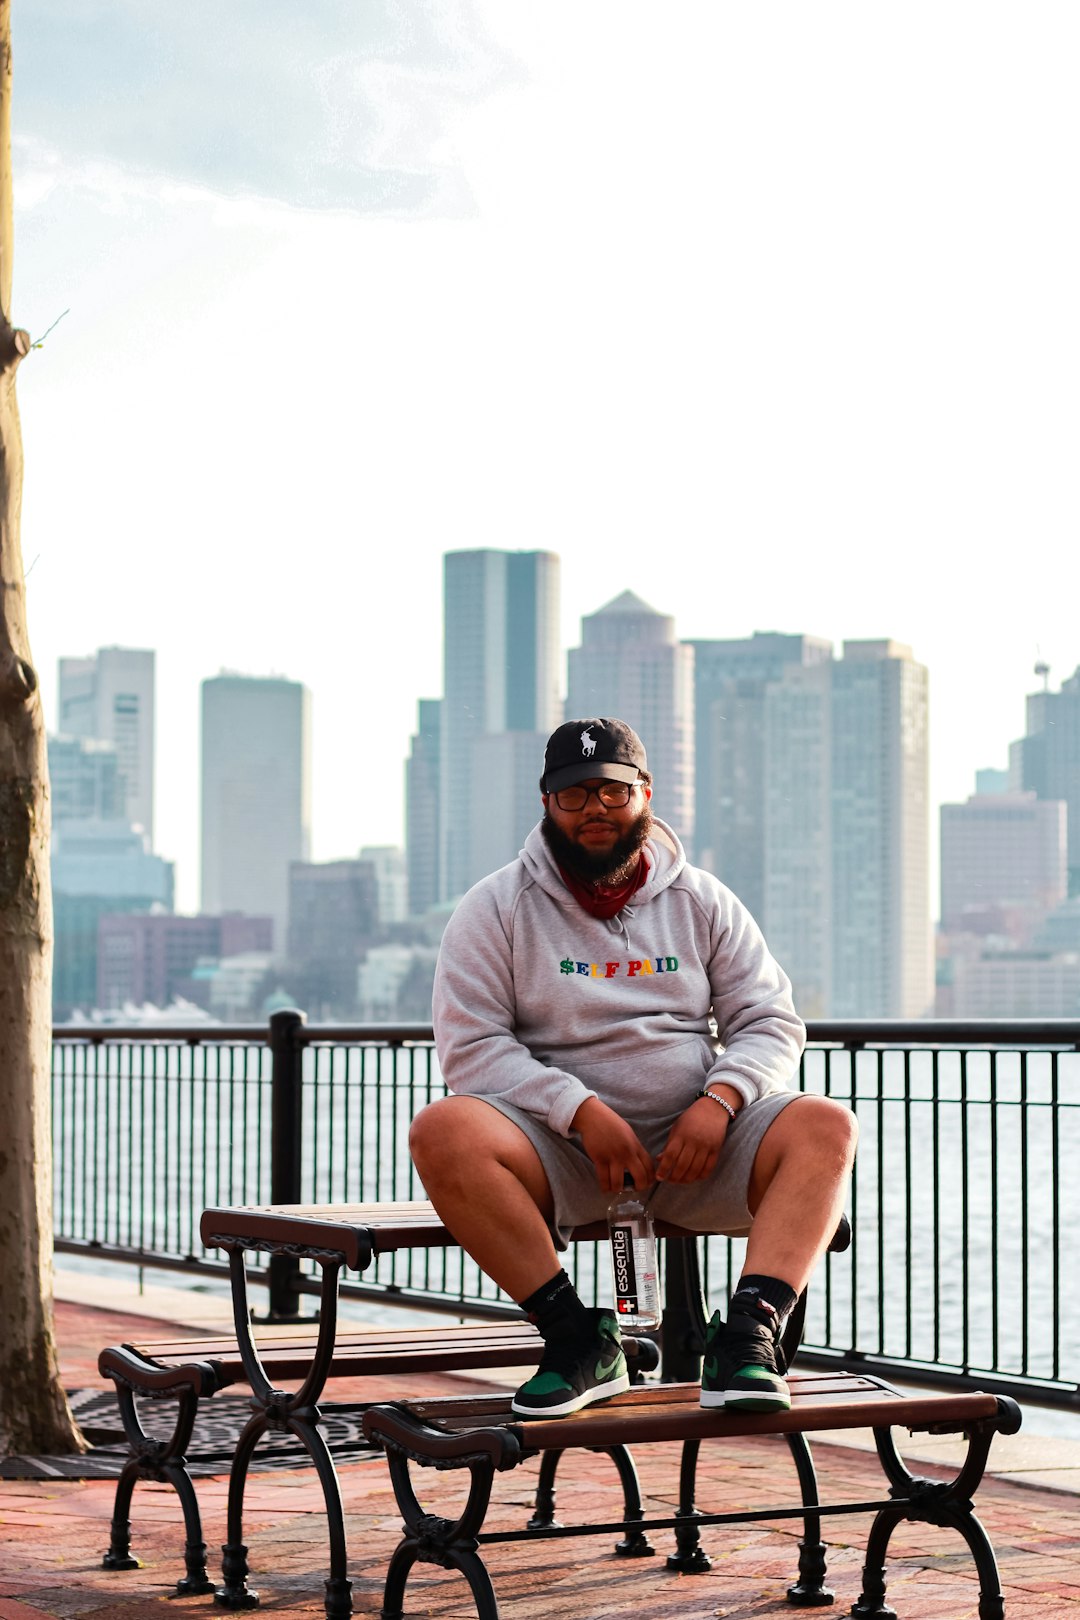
34 1414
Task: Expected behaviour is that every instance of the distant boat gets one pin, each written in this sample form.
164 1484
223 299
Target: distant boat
129 1016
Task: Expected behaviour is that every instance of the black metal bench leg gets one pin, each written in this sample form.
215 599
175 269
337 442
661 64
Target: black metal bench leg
397 1573
991 1597
163 1461
871 1604
543 1517
428 1539
810 1590
944 1502
119 1553
635 1543
235 1593
691 1557
197 1580
338 1587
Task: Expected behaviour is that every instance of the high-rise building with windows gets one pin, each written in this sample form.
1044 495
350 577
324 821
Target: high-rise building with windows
99 868
1047 760
1005 919
882 942
818 813
500 674
631 667
1003 865
256 794
508 767
333 921
391 880
422 809
109 697
84 780
730 682
787 825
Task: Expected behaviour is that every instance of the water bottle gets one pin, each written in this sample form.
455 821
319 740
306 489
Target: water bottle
633 1260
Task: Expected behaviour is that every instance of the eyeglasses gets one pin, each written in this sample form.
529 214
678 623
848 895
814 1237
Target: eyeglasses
614 795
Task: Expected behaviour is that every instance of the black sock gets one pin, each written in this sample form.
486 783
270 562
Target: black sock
780 1295
557 1310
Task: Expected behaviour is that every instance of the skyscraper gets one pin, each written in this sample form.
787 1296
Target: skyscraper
256 794
882 955
422 809
819 814
333 920
1047 760
99 868
508 766
110 697
1003 864
391 880
630 666
84 780
730 682
788 827
500 674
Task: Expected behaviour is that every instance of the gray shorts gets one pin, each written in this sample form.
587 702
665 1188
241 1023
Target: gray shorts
717 1204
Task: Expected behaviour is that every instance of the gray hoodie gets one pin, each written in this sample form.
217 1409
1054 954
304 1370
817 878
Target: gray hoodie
542 1005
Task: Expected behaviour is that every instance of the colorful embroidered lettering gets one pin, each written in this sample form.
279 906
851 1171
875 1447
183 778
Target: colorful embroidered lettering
609 970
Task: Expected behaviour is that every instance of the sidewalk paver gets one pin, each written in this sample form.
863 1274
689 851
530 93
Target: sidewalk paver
53 1533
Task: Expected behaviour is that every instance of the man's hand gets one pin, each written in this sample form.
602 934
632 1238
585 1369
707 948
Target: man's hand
613 1146
693 1147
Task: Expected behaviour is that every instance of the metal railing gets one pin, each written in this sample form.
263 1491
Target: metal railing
965 1202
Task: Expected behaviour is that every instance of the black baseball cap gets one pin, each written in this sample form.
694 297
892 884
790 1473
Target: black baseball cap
581 749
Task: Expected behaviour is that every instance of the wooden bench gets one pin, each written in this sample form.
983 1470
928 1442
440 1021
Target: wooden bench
484 1436
337 1237
189 1371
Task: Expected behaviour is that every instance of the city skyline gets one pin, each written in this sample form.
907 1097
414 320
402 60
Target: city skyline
764 653
778 357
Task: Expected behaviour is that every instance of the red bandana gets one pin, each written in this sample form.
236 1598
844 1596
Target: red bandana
600 902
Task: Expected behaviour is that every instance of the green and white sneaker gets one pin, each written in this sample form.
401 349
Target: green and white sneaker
572 1374
744 1365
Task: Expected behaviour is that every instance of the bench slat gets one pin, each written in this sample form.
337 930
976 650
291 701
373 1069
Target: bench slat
357 1231
362 1341
671 1412
382 1351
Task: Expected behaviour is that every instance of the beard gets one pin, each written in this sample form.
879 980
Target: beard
611 867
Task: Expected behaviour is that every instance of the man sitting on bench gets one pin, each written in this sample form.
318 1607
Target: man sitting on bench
578 998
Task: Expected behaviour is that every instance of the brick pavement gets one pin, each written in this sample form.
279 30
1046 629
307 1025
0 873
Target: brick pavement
52 1536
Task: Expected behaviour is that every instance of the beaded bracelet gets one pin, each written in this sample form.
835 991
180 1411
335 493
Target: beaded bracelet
721 1100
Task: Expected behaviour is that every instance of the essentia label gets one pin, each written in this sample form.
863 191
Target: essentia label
625 1269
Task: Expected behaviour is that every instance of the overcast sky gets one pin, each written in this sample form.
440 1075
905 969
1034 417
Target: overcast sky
768 314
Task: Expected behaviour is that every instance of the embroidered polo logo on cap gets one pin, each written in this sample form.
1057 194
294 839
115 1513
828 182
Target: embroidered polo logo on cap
588 745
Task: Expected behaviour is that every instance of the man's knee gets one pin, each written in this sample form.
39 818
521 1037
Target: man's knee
438 1132
456 1141
813 1131
826 1126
